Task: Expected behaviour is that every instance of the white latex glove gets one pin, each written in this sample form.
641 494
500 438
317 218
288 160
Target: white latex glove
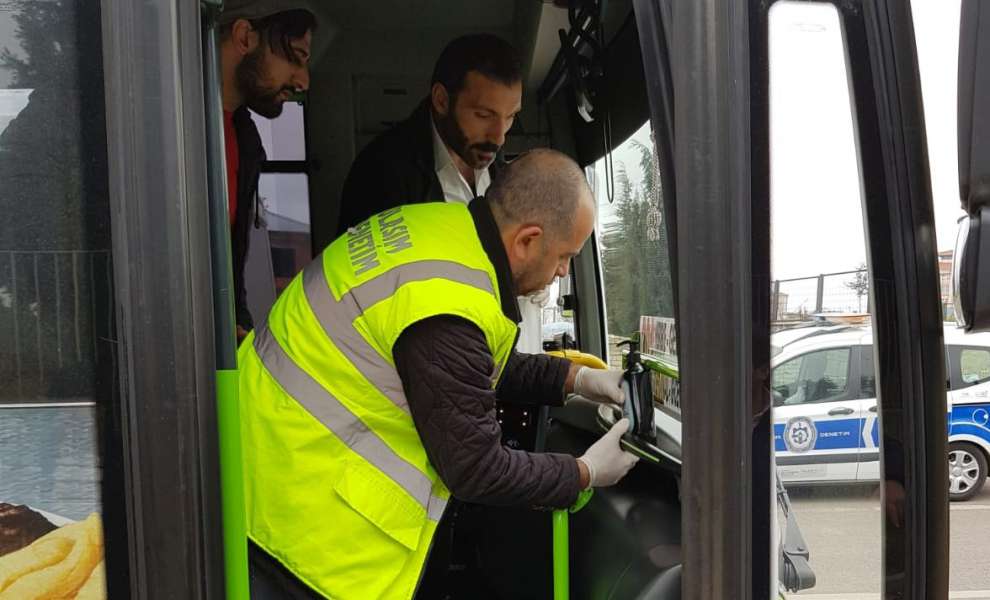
600 385
607 462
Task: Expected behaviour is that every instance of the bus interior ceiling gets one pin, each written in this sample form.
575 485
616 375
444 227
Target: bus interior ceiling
377 68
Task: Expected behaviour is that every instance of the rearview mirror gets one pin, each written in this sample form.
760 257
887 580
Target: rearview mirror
971 259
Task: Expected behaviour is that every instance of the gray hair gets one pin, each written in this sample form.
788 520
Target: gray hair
541 187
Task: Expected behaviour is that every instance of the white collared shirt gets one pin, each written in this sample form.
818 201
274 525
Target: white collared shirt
456 189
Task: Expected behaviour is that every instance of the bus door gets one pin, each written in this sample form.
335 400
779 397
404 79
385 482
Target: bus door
729 65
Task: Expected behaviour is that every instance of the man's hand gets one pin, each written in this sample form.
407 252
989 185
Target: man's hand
600 385
607 462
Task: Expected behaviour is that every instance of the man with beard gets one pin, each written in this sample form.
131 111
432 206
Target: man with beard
265 50
448 149
444 150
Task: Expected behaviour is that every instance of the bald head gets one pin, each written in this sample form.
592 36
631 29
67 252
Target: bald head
545 211
542 187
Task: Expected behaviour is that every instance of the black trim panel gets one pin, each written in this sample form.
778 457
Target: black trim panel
710 45
286 166
908 345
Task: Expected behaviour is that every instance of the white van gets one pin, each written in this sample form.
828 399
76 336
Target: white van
825 407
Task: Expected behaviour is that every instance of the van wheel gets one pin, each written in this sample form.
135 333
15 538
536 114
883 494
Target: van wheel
967 470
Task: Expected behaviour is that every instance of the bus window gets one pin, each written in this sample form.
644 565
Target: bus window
285 199
284 137
633 246
281 240
56 311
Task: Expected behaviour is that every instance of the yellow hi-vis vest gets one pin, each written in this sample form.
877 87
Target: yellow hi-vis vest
337 483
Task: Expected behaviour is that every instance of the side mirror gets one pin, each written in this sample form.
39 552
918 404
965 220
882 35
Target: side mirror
970 281
971 259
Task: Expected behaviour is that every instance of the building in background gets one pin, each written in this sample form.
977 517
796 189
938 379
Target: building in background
945 284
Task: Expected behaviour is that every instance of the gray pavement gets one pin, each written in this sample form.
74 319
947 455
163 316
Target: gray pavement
842 528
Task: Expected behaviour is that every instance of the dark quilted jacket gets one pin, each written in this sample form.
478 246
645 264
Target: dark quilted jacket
446 367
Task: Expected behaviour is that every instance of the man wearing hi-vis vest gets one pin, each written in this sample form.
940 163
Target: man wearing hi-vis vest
367 398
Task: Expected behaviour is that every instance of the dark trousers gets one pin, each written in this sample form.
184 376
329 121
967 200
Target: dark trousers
453 571
272 581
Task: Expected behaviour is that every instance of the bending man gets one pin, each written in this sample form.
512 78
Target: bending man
368 397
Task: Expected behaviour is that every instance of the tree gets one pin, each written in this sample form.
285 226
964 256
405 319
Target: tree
860 284
54 198
47 30
636 263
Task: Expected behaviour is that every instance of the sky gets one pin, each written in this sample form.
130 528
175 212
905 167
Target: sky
816 199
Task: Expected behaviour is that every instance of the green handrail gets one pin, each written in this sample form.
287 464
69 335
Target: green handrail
232 487
561 555
228 417
561 546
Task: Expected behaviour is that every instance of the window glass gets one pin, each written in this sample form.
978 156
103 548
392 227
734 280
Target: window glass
974 365
814 377
285 199
635 260
284 137
867 373
785 377
557 322
826 440
56 290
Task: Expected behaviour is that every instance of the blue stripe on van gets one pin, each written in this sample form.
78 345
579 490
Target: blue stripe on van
970 419
831 435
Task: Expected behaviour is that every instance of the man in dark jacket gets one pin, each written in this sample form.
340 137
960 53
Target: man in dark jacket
265 49
446 148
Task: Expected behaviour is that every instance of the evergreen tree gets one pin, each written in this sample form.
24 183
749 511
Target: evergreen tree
636 263
46 30
54 199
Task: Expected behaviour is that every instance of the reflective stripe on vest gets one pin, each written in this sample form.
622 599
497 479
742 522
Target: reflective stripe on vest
326 409
337 317
338 485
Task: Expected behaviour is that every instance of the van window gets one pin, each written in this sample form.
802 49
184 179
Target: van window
974 365
867 373
821 376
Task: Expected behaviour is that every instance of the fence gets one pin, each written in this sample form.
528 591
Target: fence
798 299
55 307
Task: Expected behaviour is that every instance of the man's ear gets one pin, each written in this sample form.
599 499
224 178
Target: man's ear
440 98
243 36
528 241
